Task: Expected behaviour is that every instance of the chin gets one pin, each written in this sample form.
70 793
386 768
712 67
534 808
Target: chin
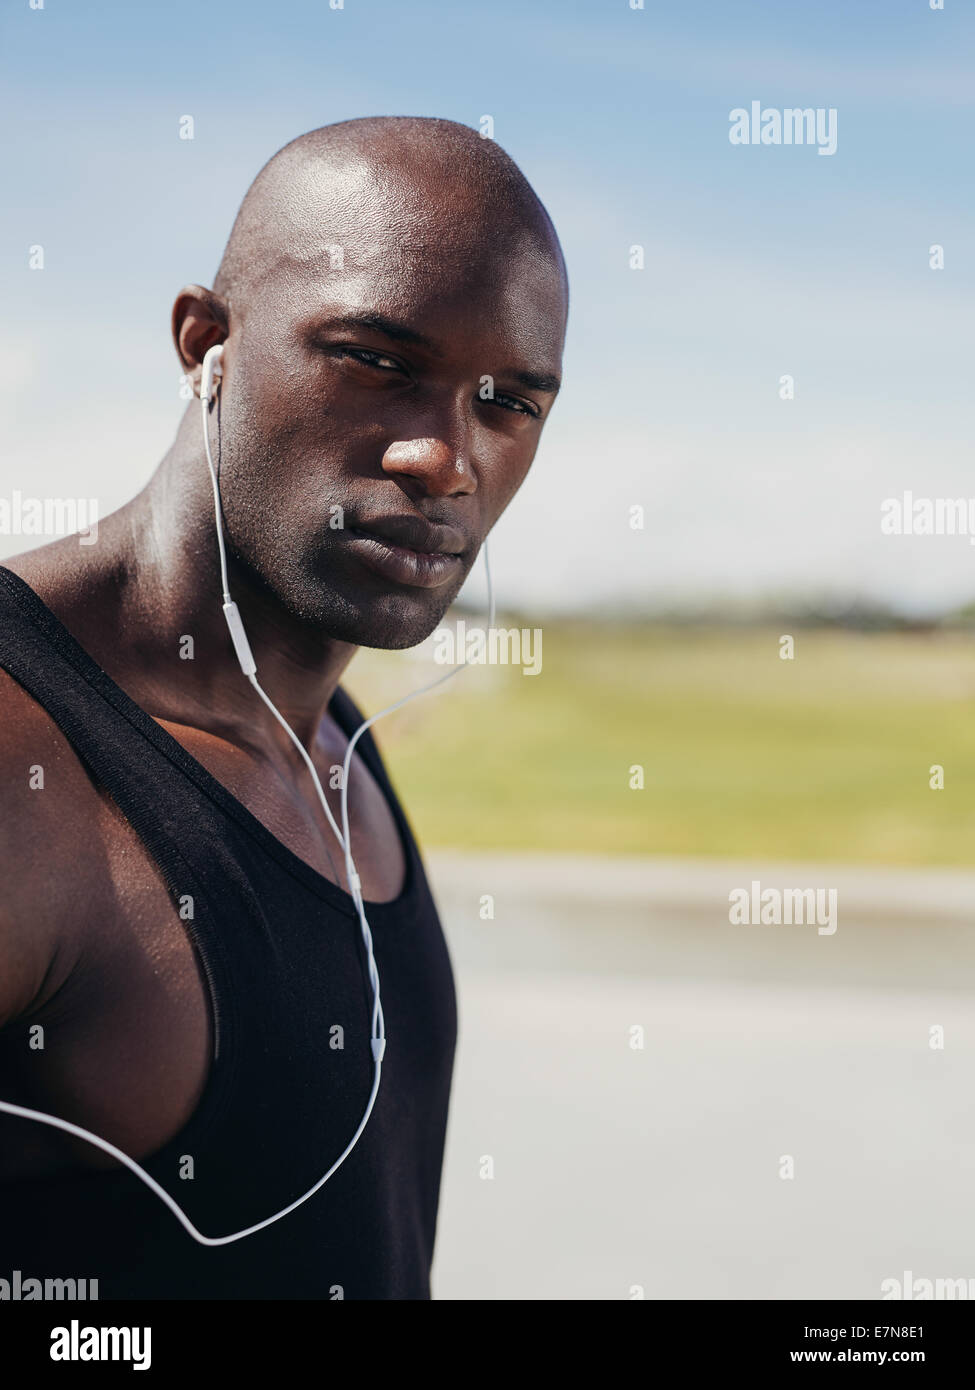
387 622
400 623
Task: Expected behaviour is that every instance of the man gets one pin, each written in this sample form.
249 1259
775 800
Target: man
181 970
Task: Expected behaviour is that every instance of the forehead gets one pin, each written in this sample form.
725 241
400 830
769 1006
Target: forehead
418 251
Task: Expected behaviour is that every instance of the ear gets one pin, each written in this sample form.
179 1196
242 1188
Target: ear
200 319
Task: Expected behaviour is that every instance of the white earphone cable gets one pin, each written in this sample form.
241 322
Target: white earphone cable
377 1027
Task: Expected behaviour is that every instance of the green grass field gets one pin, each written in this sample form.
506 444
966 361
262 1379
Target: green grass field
825 757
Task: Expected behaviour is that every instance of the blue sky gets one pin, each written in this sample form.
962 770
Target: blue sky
760 262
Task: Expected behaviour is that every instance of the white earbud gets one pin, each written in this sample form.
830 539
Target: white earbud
212 372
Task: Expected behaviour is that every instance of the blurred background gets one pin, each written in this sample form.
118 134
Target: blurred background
637 1070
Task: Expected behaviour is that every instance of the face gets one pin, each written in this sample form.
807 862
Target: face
376 419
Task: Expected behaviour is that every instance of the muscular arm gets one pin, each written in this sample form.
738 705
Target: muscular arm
37 945
40 778
91 948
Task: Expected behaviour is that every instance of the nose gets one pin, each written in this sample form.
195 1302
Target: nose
439 470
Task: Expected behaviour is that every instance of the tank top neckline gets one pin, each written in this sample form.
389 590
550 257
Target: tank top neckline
340 707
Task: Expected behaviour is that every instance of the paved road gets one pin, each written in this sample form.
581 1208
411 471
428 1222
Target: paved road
619 1169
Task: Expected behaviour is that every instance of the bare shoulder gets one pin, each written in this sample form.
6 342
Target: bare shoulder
50 832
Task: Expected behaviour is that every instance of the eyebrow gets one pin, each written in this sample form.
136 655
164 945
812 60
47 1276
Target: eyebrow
545 382
536 381
392 328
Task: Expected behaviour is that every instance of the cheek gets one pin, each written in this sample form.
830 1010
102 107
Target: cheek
285 438
502 481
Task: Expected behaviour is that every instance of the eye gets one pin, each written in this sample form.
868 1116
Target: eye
369 358
516 404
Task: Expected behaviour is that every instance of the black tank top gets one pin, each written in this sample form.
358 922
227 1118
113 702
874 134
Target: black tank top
283 957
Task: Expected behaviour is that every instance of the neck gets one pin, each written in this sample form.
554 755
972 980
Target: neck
156 583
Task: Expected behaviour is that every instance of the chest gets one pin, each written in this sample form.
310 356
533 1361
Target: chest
281 794
135 1032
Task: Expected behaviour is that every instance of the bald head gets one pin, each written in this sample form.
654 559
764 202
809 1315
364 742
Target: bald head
386 188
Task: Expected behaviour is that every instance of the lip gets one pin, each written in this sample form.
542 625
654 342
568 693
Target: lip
408 550
413 533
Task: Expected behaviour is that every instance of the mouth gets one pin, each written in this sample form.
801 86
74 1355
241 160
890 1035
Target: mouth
408 550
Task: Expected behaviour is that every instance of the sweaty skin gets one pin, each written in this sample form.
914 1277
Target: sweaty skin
378 272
